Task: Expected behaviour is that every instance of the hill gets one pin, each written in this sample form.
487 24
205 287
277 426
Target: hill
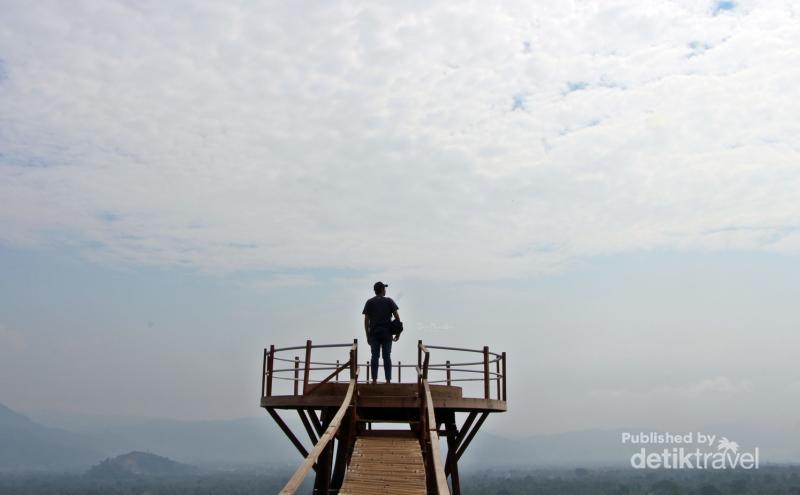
236 442
29 446
139 465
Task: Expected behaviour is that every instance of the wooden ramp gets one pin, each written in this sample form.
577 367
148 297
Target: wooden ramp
385 465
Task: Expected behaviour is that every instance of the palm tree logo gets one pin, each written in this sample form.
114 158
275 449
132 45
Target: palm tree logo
726 446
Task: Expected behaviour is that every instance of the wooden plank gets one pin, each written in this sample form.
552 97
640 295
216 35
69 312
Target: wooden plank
385 466
436 451
458 405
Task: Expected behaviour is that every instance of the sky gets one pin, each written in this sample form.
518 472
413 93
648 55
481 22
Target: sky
606 190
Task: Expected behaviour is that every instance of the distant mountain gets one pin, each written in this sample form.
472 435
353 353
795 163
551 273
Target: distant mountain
139 465
255 442
29 446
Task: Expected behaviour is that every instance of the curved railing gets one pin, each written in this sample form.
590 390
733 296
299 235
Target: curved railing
305 374
466 371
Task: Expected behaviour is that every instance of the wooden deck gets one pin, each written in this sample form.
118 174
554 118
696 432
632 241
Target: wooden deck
385 465
340 410
392 395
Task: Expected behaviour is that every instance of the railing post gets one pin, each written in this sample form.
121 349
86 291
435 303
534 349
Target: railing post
485 372
263 372
497 369
399 372
306 370
504 376
354 360
448 373
369 371
337 371
425 365
270 360
419 354
296 373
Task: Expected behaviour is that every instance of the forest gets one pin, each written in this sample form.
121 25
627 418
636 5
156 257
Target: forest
769 480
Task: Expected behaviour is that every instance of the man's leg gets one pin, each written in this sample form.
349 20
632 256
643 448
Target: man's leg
375 347
386 347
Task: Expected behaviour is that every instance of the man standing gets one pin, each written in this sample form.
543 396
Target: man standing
378 313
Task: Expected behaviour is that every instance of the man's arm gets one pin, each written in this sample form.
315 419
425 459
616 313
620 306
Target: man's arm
366 326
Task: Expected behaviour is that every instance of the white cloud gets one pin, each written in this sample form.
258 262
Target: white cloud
231 136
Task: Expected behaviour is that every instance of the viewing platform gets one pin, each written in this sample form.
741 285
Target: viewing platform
382 438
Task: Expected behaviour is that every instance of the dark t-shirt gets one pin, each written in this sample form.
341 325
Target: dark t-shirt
379 310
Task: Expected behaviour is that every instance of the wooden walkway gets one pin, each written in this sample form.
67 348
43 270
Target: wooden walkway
385 465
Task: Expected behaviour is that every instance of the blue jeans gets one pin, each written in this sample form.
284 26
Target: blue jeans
381 343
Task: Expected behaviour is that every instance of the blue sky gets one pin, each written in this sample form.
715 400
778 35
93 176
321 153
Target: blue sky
185 183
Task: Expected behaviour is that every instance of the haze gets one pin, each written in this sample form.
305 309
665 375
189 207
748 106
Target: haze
607 191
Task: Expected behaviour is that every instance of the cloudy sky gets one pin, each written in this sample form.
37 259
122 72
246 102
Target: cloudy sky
607 190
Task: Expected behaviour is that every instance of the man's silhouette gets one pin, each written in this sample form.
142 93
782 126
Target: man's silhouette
378 313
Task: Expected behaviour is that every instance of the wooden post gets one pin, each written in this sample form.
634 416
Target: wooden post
452 444
504 376
369 371
485 372
499 392
399 372
419 354
354 359
306 370
263 372
296 373
448 373
270 360
337 371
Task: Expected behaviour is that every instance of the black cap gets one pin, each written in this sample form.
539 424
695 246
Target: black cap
379 285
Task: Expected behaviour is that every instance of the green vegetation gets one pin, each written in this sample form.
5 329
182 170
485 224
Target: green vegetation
139 464
770 480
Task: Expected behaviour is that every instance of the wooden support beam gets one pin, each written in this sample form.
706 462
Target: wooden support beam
470 436
307 425
451 464
459 438
315 421
465 427
343 446
324 467
287 431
